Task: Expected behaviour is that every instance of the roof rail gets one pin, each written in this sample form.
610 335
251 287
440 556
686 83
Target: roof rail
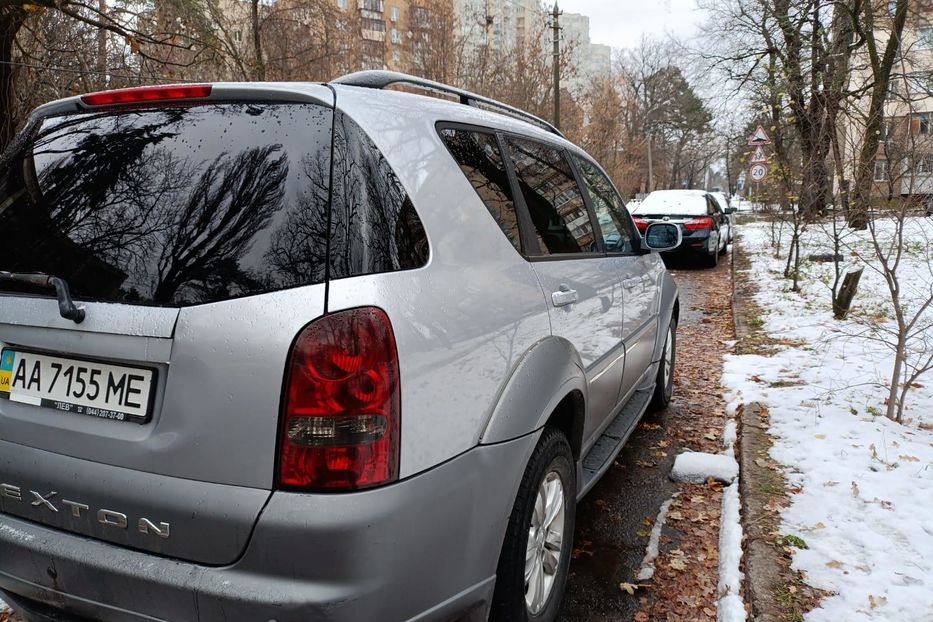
380 79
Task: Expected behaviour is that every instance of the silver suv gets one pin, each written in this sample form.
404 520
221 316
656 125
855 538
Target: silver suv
311 352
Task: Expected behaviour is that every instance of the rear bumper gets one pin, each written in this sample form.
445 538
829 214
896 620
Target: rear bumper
698 243
423 549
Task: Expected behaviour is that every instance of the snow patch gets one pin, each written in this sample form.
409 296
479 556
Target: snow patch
730 607
651 553
696 467
729 437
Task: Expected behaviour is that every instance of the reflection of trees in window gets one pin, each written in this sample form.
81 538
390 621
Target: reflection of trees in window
298 252
608 207
374 226
233 198
86 166
479 158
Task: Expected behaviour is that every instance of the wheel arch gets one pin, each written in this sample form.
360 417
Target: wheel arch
524 406
669 312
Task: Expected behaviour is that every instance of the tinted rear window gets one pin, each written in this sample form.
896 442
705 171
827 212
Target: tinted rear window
171 206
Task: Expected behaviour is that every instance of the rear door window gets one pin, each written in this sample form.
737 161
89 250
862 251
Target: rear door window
480 159
173 205
555 202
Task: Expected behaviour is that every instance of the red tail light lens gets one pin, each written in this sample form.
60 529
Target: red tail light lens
699 223
147 94
641 223
340 425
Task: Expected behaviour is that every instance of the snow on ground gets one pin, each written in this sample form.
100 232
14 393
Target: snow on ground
695 467
861 485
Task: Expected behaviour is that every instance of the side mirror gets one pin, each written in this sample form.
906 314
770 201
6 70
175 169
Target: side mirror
731 210
662 236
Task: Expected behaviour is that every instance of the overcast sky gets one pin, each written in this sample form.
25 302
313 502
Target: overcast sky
621 23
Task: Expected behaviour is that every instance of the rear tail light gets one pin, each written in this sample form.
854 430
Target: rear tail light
147 94
641 223
340 425
699 223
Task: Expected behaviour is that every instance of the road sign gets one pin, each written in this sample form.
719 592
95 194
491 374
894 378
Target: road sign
760 137
758 172
759 155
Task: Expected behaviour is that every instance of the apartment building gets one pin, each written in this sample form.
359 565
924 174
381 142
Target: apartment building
499 25
904 163
589 59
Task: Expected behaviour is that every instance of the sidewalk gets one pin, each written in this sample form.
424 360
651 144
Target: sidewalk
838 499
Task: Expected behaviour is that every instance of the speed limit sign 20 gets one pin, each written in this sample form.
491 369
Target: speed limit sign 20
758 172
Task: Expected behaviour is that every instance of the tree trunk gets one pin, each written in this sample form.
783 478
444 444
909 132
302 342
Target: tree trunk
11 20
256 27
842 301
892 406
881 74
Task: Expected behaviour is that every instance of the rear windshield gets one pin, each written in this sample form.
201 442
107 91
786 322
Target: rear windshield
171 206
672 203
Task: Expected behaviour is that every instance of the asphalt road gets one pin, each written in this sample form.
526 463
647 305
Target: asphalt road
611 532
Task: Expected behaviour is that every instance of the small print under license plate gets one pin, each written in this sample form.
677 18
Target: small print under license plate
81 387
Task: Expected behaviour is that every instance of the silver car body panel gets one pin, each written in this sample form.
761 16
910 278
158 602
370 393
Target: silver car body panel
485 358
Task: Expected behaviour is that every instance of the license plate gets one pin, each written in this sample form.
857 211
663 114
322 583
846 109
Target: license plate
82 387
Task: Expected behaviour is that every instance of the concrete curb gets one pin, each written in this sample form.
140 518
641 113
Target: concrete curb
762 560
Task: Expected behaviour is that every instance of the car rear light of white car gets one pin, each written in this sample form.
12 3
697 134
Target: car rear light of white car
698 223
340 425
641 223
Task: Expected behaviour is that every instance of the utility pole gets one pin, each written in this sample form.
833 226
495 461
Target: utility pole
102 45
555 26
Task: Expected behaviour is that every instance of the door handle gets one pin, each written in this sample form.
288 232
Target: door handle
633 282
564 297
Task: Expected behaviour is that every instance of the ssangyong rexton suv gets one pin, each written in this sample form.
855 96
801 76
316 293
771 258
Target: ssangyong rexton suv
311 352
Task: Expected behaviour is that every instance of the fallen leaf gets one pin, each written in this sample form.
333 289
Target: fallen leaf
675 515
833 563
821 437
909 458
854 489
645 464
641 616
831 482
629 587
677 563
708 611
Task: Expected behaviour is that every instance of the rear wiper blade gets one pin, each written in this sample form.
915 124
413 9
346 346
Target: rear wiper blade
66 306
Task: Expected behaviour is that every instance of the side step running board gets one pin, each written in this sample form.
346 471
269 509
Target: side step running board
609 444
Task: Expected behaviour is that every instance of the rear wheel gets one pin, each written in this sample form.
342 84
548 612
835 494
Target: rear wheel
535 557
664 385
712 260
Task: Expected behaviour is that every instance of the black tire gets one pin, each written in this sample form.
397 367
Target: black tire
712 260
664 386
551 455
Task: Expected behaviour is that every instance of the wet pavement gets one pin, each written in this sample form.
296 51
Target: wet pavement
612 530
